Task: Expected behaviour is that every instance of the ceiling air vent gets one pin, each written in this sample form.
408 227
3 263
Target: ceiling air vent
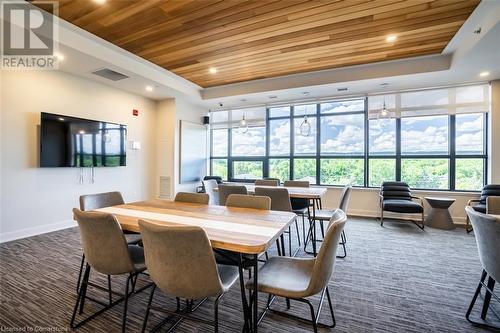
110 74
341 89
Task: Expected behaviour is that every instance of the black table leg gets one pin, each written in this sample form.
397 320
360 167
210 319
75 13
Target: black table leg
255 293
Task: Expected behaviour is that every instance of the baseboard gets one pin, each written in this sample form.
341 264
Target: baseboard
457 220
38 230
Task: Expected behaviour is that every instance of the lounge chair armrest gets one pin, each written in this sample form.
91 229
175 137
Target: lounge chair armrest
472 201
419 199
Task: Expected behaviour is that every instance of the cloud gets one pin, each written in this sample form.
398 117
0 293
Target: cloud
251 143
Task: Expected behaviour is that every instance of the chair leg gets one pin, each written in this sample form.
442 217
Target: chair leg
80 274
331 307
146 315
83 289
290 241
297 229
468 227
313 317
216 313
110 293
474 298
423 221
381 217
487 298
304 227
125 305
343 241
80 295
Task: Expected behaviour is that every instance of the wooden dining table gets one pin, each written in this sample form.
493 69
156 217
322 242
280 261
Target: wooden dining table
242 230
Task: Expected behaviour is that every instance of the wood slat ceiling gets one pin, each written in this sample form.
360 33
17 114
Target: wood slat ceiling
255 39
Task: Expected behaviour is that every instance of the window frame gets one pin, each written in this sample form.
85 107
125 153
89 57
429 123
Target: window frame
452 156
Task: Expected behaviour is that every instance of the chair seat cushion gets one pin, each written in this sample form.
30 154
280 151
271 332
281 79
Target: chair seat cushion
324 214
228 275
299 204
302 211
402 206
133 238
285 277
480 208
137 256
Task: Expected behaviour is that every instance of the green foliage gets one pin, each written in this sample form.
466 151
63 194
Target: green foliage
304 169
219 168
469 174
381 170
425 173
247 169
342 172
279 168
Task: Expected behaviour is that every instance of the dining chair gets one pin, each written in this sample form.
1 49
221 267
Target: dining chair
487 233
181 264
396 197
267 182
101 200
324 215
199 198
280 200
300 206
106 252
226 189
299 278
479 205
493 205
209 186
248 201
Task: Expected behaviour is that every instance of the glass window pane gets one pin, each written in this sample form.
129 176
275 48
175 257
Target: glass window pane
342 172
279 136
469 174
469 134
219 168
305 145
381 170
279 168
343 135
301 110
247 170
219 142
343 106
424 135
425 173
382 139
251 143
283 111
304 169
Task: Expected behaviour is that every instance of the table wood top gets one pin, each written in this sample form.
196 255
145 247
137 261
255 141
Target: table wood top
295 192
241 230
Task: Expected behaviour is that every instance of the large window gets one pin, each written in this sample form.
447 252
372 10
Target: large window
432 139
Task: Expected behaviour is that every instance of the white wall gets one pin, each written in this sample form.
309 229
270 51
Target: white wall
36 200
494 131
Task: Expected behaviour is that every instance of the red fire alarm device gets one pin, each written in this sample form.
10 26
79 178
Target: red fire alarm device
135 112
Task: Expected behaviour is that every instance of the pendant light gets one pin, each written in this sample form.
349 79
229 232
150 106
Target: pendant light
243 125
305 127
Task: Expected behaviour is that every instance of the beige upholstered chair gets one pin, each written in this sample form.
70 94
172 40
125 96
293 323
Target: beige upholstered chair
300 206
324 215
208 186
487 233
280 200
493 205
199 198
299 278
101 200
249 201
267 182
181 264
296 183
225 190
107 252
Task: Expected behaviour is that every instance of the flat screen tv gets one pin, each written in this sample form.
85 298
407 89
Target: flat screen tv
76 142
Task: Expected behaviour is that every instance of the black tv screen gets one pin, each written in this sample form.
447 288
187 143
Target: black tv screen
75 142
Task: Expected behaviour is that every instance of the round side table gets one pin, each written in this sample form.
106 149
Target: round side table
439 217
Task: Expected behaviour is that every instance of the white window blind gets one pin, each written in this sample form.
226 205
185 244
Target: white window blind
255 117
443 101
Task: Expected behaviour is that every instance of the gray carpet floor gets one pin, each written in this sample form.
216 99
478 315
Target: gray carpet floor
395 278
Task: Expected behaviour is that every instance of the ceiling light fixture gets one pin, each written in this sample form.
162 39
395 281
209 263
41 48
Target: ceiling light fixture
391 38
59 56
306 93
60 119
149 88
484 74
100 2
243 125
212 70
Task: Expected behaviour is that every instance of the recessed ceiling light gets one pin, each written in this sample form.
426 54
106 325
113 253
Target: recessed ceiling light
100 2
81 131
212 70
59 56
149 88
60 119
484 74
391 38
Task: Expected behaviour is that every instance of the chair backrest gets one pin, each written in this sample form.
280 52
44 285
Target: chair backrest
344 198
280 199
218 179
267 182
201 198
324 262
104 244
296 183
489 190
493 205
248 201
100 200
208 186
180 260
487 233
226 190
395 190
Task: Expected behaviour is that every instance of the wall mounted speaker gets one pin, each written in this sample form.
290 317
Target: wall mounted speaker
206 120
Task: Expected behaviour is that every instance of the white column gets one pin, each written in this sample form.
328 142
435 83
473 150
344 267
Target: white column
494 135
